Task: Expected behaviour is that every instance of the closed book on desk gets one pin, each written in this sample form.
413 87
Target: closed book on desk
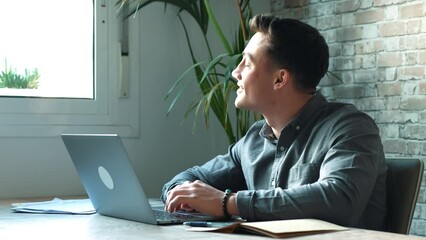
277 229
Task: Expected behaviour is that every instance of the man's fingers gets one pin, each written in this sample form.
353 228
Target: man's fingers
176 203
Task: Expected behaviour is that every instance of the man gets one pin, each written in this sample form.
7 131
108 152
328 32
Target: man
308 158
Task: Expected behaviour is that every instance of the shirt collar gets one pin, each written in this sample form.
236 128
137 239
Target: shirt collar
267 132
316 103
312 107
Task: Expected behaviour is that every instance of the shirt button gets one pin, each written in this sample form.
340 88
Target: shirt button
273 183
282 148
297 128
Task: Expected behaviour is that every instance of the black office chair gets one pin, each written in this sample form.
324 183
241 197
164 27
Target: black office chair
403 184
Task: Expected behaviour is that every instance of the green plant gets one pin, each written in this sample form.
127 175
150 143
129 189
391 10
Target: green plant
10 78
213 75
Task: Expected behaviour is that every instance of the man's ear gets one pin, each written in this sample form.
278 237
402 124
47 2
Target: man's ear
282 78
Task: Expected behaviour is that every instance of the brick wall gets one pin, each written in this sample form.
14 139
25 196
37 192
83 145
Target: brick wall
378 49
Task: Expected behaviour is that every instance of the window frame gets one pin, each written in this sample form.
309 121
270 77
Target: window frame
108 112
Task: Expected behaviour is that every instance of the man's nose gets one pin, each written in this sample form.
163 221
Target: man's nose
236 74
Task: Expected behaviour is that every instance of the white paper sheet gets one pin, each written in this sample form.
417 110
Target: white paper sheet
56 206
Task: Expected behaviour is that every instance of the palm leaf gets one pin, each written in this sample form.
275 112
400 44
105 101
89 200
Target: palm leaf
195 8
181 78
216 26
211 66
214 76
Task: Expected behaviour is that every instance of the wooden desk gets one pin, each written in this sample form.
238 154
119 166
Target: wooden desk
87 227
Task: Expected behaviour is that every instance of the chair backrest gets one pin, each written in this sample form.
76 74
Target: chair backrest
403 183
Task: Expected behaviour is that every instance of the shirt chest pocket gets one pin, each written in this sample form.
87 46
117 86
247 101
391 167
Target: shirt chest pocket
303 174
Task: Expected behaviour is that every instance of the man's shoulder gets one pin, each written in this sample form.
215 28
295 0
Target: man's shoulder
319 109
340 106
347 115
345 109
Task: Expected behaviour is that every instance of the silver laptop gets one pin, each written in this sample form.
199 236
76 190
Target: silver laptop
112 184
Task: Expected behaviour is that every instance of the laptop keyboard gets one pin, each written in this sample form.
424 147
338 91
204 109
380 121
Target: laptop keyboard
164 215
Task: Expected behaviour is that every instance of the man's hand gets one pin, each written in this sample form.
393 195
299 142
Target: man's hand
195 196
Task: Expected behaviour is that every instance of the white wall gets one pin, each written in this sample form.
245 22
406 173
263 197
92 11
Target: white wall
32 167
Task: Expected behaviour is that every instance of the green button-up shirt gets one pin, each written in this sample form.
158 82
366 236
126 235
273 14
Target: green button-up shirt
327 164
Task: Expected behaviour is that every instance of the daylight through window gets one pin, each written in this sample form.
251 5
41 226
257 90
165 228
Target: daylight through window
46 49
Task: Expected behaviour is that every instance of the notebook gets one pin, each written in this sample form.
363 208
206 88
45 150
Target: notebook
111 183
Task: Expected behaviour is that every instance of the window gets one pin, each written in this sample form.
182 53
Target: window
102 107
47 52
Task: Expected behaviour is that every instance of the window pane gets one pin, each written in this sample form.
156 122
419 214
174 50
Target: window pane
52 39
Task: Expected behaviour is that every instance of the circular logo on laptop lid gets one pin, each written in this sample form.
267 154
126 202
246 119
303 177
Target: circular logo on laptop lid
106 177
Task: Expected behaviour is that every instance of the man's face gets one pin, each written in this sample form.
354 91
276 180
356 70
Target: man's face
255 75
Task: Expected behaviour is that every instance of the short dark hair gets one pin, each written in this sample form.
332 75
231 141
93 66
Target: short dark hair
296 46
